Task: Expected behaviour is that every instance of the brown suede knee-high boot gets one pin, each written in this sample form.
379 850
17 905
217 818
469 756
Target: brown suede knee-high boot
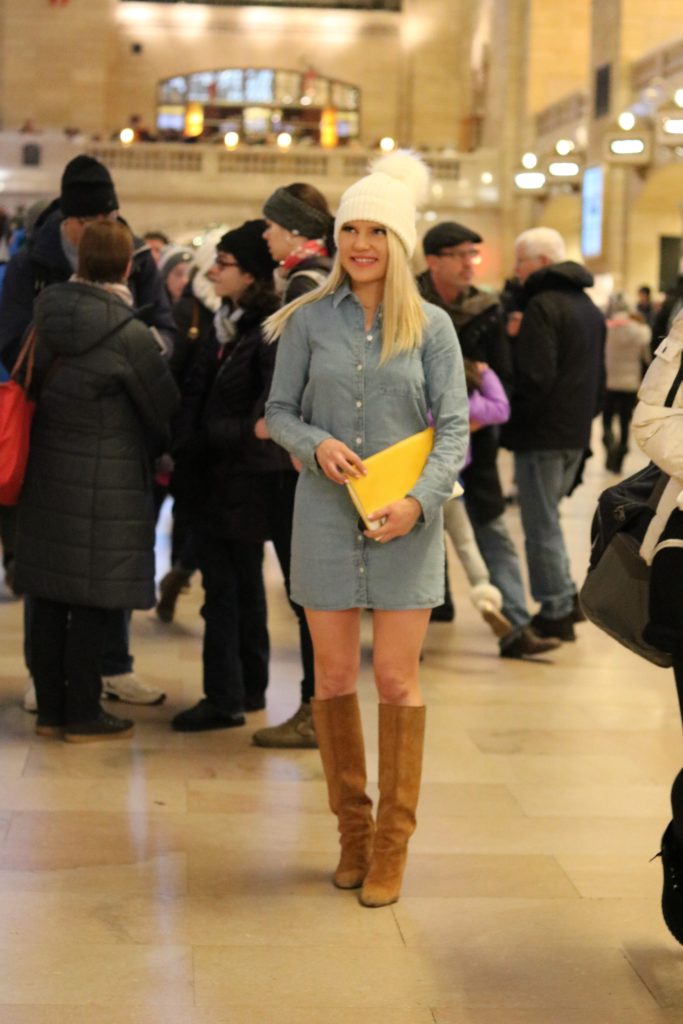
401 741
339 732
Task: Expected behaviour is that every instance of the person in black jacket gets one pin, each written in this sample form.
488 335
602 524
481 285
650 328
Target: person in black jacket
50 257
228 478
85 535
558 359
451 252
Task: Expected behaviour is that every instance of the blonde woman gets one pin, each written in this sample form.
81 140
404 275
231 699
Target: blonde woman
362 362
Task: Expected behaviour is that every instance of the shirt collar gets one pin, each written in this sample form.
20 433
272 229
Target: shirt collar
342 292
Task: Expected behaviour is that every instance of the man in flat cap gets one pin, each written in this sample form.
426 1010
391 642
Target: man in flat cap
452 255
87 194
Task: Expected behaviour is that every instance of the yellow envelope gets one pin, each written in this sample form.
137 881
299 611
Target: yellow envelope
392 473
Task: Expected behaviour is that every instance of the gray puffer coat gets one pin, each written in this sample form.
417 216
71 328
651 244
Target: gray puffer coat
86 516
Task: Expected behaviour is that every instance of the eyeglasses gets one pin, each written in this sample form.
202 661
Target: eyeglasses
460 254
225 263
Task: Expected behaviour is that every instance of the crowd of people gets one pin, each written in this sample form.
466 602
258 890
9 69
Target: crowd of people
249 379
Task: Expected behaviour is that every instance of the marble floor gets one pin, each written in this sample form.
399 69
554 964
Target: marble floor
178 879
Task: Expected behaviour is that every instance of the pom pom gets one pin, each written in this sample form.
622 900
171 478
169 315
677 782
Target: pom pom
407 167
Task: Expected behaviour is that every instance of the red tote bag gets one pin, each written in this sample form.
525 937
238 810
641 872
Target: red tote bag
16 415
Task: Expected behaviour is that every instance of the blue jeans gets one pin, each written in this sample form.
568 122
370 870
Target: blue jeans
543 479
502 561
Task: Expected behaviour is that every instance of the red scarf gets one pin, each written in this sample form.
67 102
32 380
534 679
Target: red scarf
309 248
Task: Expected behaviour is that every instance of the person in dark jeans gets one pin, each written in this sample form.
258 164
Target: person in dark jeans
85 532
226 475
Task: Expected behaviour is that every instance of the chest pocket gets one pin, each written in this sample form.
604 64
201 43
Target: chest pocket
402 375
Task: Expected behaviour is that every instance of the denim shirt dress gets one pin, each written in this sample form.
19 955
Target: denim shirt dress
328 383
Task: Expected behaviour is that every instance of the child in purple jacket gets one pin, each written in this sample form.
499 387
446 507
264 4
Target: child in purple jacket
488 405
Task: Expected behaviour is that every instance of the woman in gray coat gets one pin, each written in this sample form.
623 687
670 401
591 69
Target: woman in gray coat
86 519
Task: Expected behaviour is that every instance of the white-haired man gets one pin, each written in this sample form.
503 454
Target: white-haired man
558 381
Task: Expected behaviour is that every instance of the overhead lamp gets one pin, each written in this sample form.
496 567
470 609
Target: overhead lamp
529 161
127 135
387 144
305 101
530 181
564 169
669 126
231 140
626 121
673 125
627 147
486 178
284 140
678 97
563 147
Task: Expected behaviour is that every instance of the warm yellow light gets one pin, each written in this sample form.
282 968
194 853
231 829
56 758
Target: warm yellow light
626 121
678 97
563 147
127 135
387 144
530 180
306 101
231 139
673 125
194 120
328 128
284 140
529 160
486 178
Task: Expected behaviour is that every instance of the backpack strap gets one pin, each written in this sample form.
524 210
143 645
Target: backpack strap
673 390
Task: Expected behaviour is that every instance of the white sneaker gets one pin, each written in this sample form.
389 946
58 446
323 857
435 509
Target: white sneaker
29 703
130 690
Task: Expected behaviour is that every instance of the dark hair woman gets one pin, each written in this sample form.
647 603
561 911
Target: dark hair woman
227 477
300 237
85 541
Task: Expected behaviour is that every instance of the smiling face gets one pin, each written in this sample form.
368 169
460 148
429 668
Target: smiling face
364 251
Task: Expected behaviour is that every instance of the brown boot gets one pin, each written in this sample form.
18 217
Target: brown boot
339 731
401 739
170 588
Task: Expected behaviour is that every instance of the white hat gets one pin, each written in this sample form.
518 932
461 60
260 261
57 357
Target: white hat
388 195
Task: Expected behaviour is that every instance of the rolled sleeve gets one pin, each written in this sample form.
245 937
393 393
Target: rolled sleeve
284 405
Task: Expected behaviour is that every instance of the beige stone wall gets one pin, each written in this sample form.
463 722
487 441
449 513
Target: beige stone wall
55 63
558 50
75 64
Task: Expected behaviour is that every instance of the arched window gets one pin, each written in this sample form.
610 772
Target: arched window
258 104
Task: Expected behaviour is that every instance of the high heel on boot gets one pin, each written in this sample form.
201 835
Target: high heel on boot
339 731
401 742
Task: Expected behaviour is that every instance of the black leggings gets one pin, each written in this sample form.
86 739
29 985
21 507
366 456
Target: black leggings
66 646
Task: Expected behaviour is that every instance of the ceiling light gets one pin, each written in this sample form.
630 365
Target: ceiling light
387 144
529 160
626 121
563 147
627 147
563 168
530 180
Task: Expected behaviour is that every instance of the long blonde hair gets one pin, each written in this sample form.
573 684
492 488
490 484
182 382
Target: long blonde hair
403 319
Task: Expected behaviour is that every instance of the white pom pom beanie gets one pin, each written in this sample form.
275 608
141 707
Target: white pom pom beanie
389 195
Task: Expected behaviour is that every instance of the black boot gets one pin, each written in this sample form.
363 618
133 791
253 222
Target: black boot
562 628
672 892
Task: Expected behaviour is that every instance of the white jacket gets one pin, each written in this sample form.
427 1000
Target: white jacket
659 430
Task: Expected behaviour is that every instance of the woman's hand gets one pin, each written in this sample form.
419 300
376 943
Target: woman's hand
261 429
338 462
396 520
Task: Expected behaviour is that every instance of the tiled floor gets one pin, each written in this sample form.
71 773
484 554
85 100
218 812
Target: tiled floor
179 879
